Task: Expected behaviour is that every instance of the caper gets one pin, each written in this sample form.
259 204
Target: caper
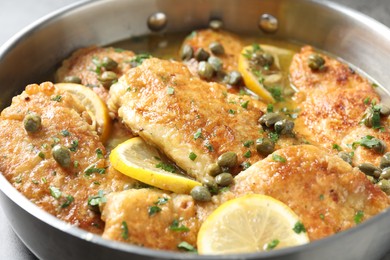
108 78
270 119
384 185
228 159
345 156
32 122
108 63
379 147
385 110
213 169
62 155
284 127
234 78
370 169
265 146
200 193
215 62
215 24
385 174
367 120
72 79
262 59
187 52
315 61
216 48
201 54
224 179
205 70
385 161
210 183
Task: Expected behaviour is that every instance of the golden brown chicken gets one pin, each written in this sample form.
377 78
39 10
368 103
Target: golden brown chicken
326 193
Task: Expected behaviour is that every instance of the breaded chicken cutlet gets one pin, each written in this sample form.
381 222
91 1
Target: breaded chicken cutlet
324 191
60 184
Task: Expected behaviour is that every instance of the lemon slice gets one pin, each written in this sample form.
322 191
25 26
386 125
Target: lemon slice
252 81
94 105
141 161
252 223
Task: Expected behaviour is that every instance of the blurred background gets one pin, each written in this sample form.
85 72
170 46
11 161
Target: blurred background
17 14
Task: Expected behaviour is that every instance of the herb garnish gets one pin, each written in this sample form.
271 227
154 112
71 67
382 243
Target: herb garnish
276 93
125 230
270 108
299 227
245 104
97 200
65 132
170 91
248 143
69 199
153 210
358 216
166 167
271 245
55 192
187 247
192 156
57 98
139 59
175 227
74 145
247 154
245 165
336 147
99 153
278 158
94 169
198 134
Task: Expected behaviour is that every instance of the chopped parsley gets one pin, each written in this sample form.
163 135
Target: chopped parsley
55 192
223 189
369 142
99 153
245 104
125 230
119 50
74 145
139 59
273 136
192 156
271 245
209 146
198 134
358 216
246 165
276 93
176 227
166 167
270 108
93 169
42 155
247 154
322 197
187 247
366 101
57 98
65 132
248 143
68 200
76 164
322 216
153 210
336 147
170 91
97 200
299 228
161 201
278 158
231 111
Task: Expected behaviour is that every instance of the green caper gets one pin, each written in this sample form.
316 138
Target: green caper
370 169
108 63
62 155
345 156
234 78
201 54
315 61
213 169
384 185
379 147
385 110
265 146
205 70
228 159
263 59
215 62
224 179
270 119
108 78
200 193
284 127
385 161
216 48
72 79
32 122
367 119
187 52
385 174
210 183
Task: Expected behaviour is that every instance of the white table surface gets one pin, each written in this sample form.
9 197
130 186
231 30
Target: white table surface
16 14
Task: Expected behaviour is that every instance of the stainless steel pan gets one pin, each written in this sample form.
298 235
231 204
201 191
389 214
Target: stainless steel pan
33 54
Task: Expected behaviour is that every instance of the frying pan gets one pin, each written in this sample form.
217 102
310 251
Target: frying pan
34 54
